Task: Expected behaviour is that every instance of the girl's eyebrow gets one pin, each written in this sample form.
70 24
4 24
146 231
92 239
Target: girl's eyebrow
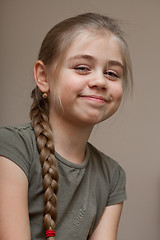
92 60
87 57
115 63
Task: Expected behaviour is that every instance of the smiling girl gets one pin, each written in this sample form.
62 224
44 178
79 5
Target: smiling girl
54 183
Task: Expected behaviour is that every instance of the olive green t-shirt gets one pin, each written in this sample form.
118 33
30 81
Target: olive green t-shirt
84 189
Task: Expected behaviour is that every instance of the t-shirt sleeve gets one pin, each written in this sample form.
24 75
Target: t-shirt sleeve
14 146
117 187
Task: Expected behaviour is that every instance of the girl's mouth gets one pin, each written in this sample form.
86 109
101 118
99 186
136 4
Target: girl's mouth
97 98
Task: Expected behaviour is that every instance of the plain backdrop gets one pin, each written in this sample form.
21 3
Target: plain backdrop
132 136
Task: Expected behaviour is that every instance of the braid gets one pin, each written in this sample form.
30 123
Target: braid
44 136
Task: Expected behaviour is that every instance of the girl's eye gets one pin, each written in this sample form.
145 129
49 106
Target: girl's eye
82 69
111 75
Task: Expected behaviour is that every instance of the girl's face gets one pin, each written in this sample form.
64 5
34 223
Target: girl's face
89 81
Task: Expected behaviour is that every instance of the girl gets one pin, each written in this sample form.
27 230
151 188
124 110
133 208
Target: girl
54 184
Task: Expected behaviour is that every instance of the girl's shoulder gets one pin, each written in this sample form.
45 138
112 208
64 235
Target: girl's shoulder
17 134
17 129
108 171
103 159
18 144
105 165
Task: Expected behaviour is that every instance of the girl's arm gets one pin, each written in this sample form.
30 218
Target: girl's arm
108 223
14 218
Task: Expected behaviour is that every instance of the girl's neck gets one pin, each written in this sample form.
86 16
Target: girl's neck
70 140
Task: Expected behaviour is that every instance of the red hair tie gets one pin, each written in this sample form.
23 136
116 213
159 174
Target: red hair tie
50 233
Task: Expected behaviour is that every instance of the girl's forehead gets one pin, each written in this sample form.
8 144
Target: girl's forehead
93 43
85 36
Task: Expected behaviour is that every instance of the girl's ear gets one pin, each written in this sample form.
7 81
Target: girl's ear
40 76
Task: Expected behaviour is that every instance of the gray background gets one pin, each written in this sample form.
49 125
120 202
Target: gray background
132 135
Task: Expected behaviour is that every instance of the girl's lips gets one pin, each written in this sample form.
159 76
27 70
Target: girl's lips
97 98
94 98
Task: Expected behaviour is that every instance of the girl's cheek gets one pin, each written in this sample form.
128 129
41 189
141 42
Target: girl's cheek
117 91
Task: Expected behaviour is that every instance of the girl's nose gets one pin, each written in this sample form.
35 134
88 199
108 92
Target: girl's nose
98 81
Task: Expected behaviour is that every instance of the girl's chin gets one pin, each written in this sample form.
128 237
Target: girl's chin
93 120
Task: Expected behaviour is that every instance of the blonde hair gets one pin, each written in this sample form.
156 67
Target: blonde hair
52 50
